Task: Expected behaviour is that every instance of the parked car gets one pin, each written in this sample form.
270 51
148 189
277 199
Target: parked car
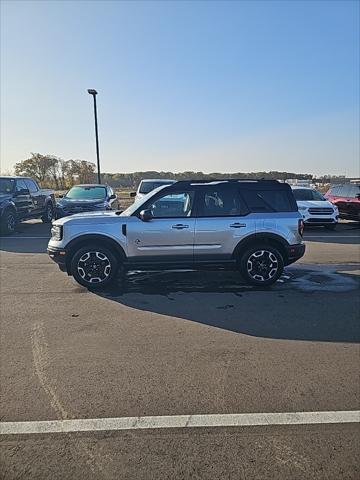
22 199
147 185
85 198
347 199
251 226
315 209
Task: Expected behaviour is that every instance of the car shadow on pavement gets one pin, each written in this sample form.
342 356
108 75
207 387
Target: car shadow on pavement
292 309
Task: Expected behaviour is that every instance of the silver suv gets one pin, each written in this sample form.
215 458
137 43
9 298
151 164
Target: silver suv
250 226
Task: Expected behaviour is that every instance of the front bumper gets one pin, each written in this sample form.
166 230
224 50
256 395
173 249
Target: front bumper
58 255
320 219
294 252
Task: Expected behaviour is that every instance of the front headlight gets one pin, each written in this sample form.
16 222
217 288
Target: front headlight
102 205
57 232
302 208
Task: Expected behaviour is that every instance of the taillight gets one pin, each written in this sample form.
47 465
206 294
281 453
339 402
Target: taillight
301 227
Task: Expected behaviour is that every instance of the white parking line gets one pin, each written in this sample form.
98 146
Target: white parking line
179 421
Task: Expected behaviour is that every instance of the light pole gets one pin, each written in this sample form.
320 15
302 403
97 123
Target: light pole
94 93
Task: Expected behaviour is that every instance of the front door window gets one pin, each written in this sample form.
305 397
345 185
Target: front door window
174 205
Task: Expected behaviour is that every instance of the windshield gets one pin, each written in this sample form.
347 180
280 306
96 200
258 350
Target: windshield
146 187
86 193
6 185
307 194
130 210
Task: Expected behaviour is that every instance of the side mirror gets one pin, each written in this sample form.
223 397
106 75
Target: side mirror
23 191
112 197
61 195
132 194
146 215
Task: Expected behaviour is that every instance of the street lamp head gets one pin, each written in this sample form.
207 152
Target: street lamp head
92 91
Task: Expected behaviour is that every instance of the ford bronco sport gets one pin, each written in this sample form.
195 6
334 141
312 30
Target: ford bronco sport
250 226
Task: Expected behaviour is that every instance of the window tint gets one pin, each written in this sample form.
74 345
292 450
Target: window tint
146 187
20 185
173 205
219 202
6 185
354 190
334 191
31 185
267 201
306 194
86 193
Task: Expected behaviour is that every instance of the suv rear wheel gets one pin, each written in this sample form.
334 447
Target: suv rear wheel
94 266
261 265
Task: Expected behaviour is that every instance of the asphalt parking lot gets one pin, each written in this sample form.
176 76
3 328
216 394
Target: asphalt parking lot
181 343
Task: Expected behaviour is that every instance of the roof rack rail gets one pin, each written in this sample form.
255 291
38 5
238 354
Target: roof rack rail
224 180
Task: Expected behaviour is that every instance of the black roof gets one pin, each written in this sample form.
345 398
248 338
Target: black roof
245 183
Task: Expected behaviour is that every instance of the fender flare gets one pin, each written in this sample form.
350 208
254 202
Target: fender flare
8 204
269 238
105 240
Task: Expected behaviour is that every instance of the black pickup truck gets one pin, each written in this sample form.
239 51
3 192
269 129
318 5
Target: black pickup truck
21 199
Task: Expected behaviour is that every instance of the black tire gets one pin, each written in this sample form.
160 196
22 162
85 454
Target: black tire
331 226
8 222
94 266
261 265
48 216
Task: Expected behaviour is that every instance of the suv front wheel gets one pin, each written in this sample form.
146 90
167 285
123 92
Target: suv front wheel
94 266
261 265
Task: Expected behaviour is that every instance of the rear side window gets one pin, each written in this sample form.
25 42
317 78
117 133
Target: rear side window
267 201
219 202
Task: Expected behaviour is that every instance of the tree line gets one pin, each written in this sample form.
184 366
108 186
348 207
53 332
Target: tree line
54 172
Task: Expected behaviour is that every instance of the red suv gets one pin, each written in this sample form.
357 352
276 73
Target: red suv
347 198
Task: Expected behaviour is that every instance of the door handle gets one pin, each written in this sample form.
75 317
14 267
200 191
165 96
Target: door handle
180 226
238 225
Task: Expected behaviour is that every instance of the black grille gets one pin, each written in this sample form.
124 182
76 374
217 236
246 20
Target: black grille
79 209
320 220
321 211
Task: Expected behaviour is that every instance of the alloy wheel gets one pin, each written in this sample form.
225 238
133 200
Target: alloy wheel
94 267
262 265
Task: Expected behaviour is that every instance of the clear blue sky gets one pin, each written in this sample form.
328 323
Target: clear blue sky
188 85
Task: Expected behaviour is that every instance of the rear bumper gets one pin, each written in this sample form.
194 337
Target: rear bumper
58 255
294 252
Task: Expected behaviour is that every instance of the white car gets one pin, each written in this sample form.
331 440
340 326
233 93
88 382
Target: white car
315 209
148 185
